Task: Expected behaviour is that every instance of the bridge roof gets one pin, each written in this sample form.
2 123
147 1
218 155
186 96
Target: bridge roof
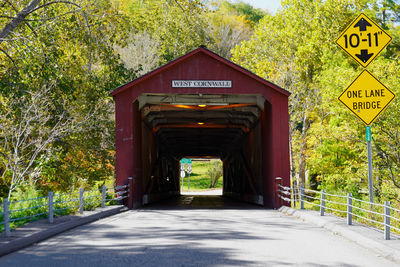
204 51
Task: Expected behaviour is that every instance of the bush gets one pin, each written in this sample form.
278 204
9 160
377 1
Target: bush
214 172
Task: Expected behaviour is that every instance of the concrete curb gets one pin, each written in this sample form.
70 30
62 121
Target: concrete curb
52 230
345 231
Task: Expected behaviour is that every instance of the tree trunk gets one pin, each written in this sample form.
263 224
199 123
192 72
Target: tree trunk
20 17
292 167
303 148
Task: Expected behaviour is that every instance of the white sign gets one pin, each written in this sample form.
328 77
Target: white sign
183 167
183 174
189 168
202 83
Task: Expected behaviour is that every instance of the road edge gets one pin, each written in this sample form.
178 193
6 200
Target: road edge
345 232
23 242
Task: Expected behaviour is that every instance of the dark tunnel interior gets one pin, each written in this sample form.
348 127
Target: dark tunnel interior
219 126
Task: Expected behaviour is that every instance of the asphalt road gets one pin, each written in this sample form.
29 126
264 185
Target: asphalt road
196 231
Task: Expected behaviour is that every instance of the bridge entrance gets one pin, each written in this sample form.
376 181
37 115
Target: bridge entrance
202 105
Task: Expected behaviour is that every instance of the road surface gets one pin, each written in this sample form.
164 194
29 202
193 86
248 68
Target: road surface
196 231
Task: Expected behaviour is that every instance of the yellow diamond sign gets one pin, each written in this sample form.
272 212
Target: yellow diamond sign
363 40
366 97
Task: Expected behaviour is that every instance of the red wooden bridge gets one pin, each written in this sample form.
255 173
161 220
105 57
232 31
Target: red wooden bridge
202 105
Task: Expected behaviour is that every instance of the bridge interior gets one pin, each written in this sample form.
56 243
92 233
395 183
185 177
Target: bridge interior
195 125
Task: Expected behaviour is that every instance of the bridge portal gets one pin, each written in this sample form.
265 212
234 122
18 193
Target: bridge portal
202 105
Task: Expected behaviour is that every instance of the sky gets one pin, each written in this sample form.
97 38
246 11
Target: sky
270 5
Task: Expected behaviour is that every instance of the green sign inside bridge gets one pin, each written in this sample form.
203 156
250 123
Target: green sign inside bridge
186 161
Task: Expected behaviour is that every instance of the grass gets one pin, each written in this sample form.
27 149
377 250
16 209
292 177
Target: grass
199 180
360 209
68 203
63 204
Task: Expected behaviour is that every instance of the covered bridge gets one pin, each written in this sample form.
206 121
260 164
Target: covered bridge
202 105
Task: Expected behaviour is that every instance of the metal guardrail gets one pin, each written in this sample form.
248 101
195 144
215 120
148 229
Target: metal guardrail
343 205
56 203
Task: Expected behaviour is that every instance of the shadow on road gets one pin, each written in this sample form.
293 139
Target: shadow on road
201 202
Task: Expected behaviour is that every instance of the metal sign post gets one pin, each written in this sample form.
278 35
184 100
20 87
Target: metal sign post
369 152
189 170
366 96
182 174
183 162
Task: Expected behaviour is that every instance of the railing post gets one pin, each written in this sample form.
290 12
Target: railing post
302 197
6 211
322 206
349 209
103 196
81 191
294 197
387 221
278 181
130 194
51 210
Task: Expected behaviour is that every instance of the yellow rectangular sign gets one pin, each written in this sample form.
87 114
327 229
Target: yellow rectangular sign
366 97
363 40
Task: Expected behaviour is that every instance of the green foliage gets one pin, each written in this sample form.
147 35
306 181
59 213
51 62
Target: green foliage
291 48
251 14
30 204
362 211
178 26
70 54
296 49
199 178
228 26
76 56
214 172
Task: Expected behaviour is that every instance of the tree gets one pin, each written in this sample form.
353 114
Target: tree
28 126
20 17
72 68
389 10
288 48
292 49
230 24
214 171
140 53
386 128
176 26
